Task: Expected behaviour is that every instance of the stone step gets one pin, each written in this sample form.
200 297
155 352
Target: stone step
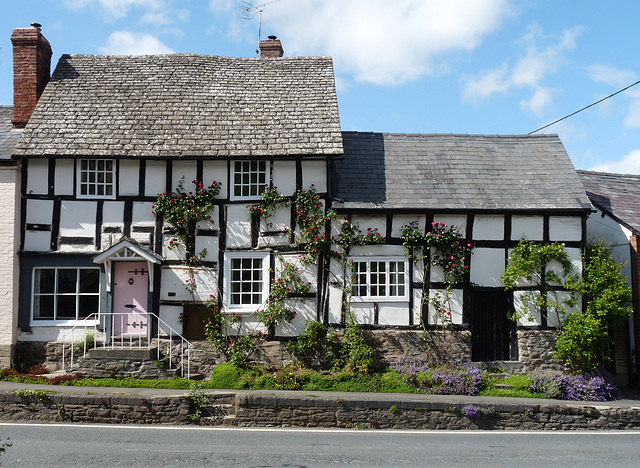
137 354
503 386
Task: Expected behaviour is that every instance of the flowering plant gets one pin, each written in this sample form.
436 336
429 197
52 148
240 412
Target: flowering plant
183 210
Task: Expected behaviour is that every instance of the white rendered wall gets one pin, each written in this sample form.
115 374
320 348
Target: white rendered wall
565 228
605 229
404 220
128 177
173 280
487 267
238 227
529 227
185 171
78 219
38 176
63 184
284 177
454 306
215 171
488 227
314 173
38 212
305 312
155 181
170 314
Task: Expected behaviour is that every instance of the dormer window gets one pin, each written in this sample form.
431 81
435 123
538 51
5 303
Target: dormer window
250 178
96 178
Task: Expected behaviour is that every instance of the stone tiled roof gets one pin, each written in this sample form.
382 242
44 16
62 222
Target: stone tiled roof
185 105
616 194
457 172
8 137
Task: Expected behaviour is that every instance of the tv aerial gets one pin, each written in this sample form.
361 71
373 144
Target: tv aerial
248 11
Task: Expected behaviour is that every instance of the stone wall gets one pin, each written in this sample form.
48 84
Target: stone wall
302 410
536 348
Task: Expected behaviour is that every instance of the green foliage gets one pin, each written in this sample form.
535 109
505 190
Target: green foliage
531 263
87 342
287 283
183 211
271 199
287 380
317 347
351 235
360 356
33 394
198 400
312 219
520 388
4 445
585 338
225 375
444 245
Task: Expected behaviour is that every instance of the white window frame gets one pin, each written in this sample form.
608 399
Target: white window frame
56 293
97 174
247 169
229 257
371 272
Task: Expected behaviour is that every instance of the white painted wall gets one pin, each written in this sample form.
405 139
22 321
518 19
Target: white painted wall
173 279
128 177
565 228
185 171
525 307
38 176
305 312
142 214
488 227
78 218
529 227
314 173
63 184
170 314
454 305
601 227
487 267
238 227
215 171
155 181
370 222
399 221
284 177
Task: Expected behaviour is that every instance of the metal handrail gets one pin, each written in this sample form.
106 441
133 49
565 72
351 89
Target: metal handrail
111 338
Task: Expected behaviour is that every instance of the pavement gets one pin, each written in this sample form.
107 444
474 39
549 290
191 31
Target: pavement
631 397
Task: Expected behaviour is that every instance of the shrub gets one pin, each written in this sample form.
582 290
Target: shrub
317 347
446 378
360 356
593 386
225 375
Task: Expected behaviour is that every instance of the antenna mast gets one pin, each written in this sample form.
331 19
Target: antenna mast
248 11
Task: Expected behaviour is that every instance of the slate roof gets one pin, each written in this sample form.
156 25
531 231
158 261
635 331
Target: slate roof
616 194
8 137
185 105
457 172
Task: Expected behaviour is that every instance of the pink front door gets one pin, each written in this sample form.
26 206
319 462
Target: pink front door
130 292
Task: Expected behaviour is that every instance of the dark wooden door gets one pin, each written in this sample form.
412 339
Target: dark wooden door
491 331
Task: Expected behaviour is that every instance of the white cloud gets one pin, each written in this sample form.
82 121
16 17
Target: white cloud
164 17
541 98
378 41
529 71
619 79
132 43
629 164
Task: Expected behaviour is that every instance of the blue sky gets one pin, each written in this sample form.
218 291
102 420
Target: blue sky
409 66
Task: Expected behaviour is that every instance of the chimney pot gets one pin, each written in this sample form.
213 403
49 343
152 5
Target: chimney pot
31 71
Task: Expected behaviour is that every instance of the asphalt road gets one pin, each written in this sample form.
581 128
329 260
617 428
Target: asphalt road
70 446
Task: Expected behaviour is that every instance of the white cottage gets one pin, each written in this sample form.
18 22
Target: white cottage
110 133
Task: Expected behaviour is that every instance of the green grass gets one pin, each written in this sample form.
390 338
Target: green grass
228 376
520 384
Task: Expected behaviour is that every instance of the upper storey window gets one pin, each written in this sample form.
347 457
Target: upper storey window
96 178
250 178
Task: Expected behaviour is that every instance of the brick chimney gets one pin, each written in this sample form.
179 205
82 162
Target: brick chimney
271 48
31 71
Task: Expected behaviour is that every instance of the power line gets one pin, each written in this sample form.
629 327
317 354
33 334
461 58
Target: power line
586 107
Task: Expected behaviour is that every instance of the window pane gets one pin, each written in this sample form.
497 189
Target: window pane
66 307
43 307
90 281
88 305
67 281
44 281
